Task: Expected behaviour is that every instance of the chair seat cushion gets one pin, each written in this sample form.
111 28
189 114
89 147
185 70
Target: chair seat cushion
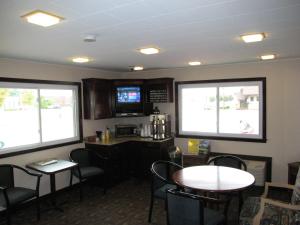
212 217
17 195
161 192
89 171
249 210
276 215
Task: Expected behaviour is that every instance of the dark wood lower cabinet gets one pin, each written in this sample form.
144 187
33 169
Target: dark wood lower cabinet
132 158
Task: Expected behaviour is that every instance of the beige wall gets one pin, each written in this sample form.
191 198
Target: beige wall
283 107
45 71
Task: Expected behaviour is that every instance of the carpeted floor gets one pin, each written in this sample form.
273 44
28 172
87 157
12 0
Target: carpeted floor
124 204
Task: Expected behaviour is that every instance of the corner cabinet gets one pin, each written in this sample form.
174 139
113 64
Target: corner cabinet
159 90
97 98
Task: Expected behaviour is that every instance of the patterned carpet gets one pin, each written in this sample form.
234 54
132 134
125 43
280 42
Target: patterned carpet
124 204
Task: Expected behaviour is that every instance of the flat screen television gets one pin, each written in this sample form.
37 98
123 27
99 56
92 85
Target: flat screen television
128 95
129 101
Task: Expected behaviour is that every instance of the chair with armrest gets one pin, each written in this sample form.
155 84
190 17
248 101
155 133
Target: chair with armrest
90 165
273 212
161 181
233 162
186 208
11 196
279 209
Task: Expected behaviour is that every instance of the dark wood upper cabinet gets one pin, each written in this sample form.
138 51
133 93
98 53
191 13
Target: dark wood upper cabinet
99 95
159 90
97 98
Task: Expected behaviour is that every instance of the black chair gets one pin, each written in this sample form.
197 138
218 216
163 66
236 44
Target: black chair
161 181
233 162
229 161
90 165
188 209
11 196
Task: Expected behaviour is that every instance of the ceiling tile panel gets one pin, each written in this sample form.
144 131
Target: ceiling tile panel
204 29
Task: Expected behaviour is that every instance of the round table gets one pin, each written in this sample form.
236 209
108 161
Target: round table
213 178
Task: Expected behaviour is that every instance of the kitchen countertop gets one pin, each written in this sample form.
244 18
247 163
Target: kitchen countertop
120 140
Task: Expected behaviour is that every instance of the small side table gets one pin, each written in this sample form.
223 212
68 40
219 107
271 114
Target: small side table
51 170
194 160
293 170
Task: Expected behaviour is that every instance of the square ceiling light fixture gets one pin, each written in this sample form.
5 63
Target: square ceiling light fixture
249 38
42 18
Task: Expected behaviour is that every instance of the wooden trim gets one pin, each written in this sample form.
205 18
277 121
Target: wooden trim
264 110
223 138
21 80
278 185
222 80
39 149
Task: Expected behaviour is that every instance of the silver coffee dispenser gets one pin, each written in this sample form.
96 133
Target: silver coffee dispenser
161 126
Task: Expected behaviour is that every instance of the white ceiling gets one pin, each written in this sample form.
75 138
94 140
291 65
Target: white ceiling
185 30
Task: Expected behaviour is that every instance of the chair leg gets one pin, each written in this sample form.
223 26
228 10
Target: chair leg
8 218
105 184
150 209
71 179
38 209
240 196
80 190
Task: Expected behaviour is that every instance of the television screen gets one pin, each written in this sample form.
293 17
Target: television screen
128 94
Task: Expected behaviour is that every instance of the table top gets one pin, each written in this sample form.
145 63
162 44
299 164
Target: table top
59 166
213 178
120 140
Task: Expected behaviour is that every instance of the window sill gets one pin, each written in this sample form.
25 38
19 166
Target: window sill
38 149
263 140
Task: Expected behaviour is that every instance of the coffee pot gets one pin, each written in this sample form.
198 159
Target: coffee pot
161 128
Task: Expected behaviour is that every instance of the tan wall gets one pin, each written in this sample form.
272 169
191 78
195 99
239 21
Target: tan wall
45 71
283 107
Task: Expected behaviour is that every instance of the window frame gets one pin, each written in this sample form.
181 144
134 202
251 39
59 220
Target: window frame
262 112
35 82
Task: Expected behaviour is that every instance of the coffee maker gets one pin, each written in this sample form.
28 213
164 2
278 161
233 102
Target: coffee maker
161 126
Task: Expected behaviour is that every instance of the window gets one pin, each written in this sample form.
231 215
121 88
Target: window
36 115
233 109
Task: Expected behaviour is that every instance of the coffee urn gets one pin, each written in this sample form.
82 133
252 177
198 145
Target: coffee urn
161 126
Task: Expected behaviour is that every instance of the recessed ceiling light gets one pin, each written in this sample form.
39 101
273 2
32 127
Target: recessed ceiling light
42 18
149 51
195 63
253 37
81 59
90 38
267 57
136 68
